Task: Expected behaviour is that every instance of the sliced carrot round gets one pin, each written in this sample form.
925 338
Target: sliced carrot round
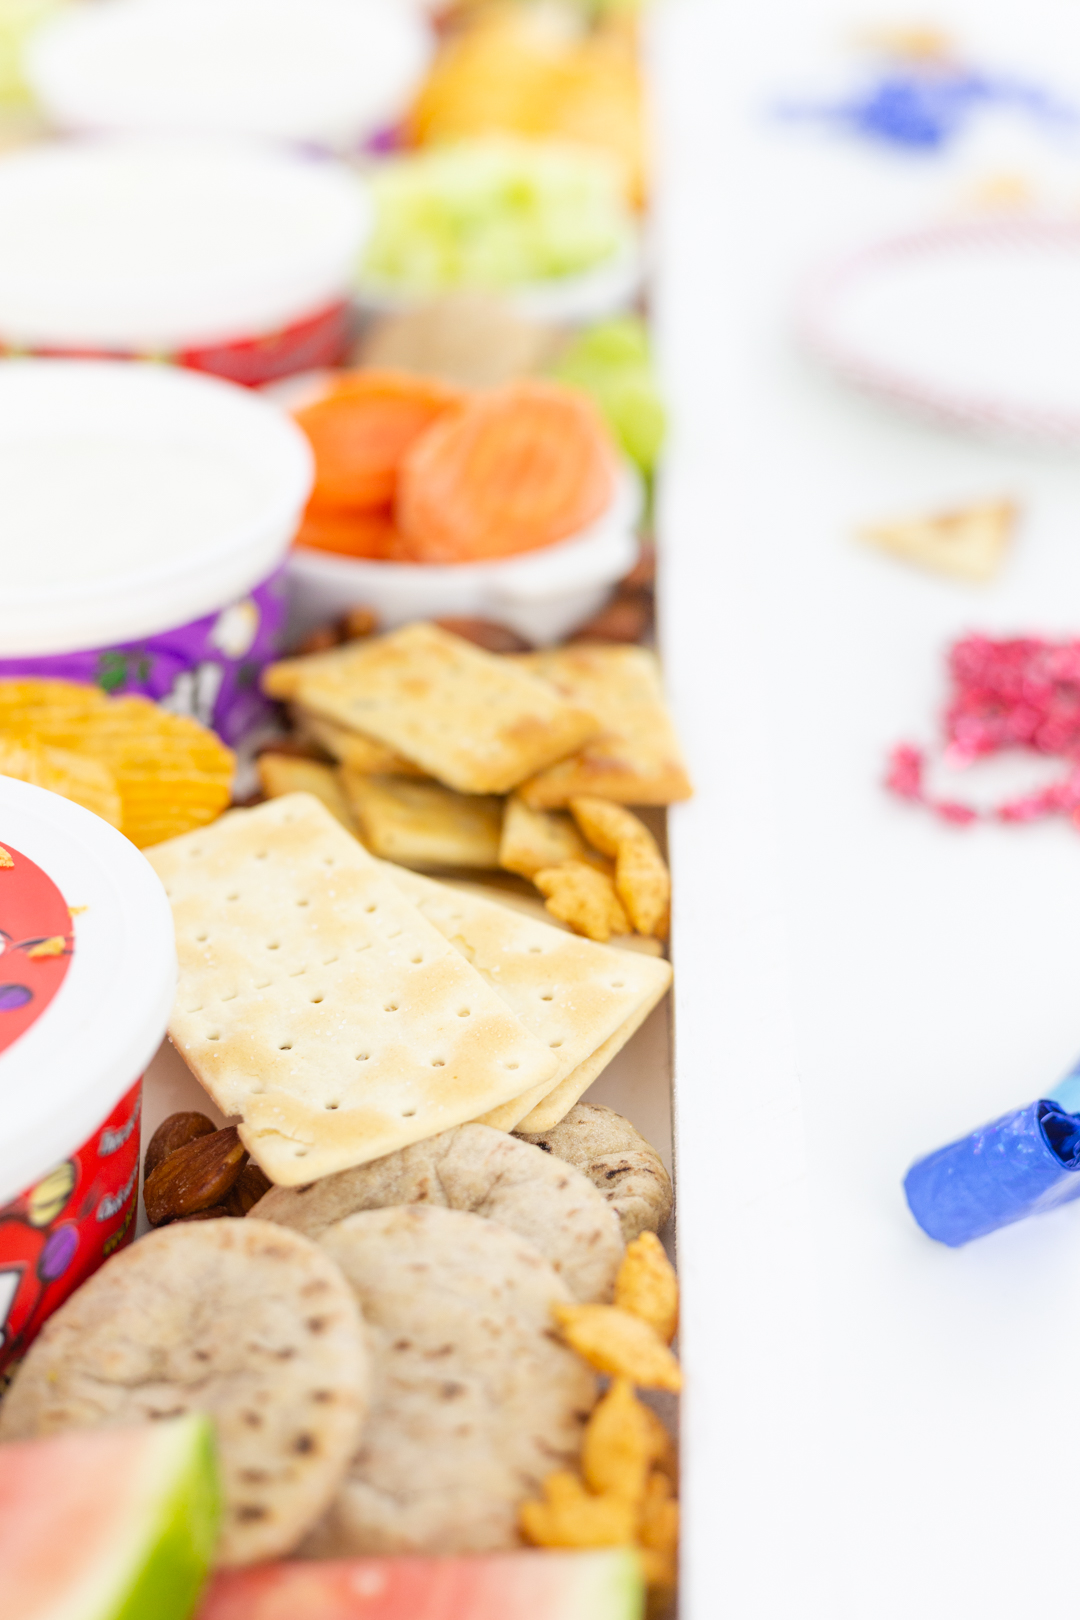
513 470
361 430
351 534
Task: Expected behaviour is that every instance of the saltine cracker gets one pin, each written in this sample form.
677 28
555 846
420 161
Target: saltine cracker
317 1004
583 1001
636 758
475 720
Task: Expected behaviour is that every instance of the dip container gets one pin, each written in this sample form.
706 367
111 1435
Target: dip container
323 73
146 513
87 979
218 254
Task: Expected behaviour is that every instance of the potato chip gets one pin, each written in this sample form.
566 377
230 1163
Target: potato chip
642 880
614 1342
584 898
647 1286
535 839
288 773
63 704
172 774
618 1448
83 781
570 1516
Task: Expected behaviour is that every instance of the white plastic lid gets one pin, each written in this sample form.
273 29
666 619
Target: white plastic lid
135 498
65 1073
154 244
329 72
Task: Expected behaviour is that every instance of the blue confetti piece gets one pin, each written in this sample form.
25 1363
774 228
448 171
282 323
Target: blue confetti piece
1023 1164
922 111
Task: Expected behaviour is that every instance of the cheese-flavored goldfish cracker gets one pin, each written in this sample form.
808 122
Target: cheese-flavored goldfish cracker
618 1447
570 1516
646 1285
584 898
614 1342
642 880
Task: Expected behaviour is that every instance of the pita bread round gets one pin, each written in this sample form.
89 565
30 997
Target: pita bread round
484 1172
474 1398
618 1161
243 1320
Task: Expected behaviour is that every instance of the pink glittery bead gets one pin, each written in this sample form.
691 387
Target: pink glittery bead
1023 692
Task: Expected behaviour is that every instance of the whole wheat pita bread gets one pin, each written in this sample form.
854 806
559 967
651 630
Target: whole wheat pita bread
474 1398
318 1004
243 1320
581 1000
485 1172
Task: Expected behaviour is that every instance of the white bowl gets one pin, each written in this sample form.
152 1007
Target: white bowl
609 288
543 595
327 73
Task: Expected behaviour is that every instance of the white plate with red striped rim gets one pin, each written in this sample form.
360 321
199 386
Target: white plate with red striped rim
976 324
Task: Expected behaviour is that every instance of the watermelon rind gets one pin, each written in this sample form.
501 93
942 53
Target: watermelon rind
168 1519
609 1587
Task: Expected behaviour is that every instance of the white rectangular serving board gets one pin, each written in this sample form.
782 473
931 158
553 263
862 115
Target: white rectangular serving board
875 1426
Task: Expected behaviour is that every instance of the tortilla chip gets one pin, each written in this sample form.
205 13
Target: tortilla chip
969 543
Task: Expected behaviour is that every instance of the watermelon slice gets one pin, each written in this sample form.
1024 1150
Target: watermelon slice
501 1586
108 1524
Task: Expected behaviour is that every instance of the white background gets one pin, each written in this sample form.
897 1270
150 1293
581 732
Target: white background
875 1426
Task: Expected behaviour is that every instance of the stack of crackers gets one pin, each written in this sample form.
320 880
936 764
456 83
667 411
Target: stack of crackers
441 755
342 1008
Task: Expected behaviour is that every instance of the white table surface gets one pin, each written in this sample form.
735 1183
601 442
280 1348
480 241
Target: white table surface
874 1425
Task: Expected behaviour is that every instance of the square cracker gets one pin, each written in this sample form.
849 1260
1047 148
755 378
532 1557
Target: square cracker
352 748
287 773
636 758
423 823
317 1003
475 720
533 906
576 997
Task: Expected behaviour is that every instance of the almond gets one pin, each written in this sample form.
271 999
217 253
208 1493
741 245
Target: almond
194 1177
251 1185
174 1132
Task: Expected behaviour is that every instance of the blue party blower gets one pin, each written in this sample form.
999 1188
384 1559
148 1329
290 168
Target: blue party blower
1022 1164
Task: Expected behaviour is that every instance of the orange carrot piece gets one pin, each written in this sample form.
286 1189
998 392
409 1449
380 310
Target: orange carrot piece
513 470
350 533
361 430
